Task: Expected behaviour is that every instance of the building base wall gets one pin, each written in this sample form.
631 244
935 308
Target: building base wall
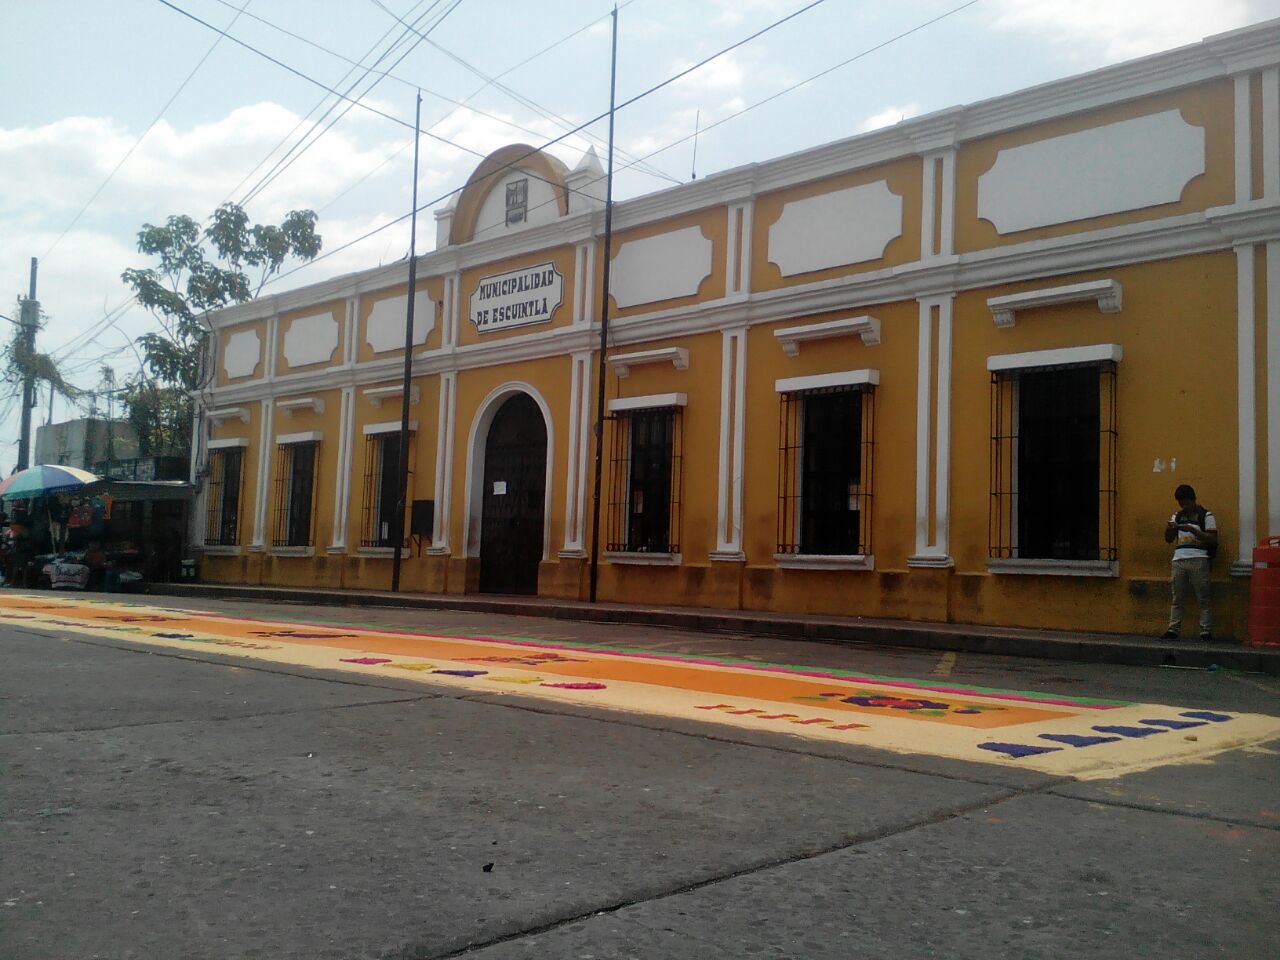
1134 605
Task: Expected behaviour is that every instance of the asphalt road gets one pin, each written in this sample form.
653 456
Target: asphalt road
162 803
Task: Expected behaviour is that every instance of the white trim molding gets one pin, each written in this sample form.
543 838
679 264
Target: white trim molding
444 463
844 378
729 485
227 443
298 404
652 401
1054 568
342 482
575 499
933 434
223 414
791 337
1246 409
1108 294
623 362
1095 353
816 561
388 426
309 436
644 559
262 488
376 395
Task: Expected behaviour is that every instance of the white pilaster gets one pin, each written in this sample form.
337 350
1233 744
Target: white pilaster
1273 387
342 486
579 453
265 459
933 436
738 254
1271 133
1246 411
444 459
947 235
1243 139
937 213
732 428
924 396
273 351
942 479
349 330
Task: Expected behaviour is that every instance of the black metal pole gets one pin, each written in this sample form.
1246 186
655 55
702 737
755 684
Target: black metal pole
604 320
402 485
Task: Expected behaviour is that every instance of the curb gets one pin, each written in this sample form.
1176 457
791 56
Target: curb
1117 649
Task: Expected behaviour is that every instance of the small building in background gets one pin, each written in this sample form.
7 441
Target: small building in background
85 442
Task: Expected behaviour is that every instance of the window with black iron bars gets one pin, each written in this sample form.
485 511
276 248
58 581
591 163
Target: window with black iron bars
646 454
381 488
295 473
826 455
1053 463
222 513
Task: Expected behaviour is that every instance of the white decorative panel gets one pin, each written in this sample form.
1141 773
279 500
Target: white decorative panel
385 330
835 229
311 340
1121 166
660 268
241 355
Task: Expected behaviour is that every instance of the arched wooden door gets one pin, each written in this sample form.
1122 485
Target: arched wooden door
511 516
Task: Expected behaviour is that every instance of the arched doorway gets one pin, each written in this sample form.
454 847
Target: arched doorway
511 513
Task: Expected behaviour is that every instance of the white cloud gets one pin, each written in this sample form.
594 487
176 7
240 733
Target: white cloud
889 116
722 75
1122 30
732 12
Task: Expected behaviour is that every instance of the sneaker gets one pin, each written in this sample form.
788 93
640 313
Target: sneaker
1169 635
1206 638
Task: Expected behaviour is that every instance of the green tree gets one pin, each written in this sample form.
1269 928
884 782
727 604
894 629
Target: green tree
17 362
199 270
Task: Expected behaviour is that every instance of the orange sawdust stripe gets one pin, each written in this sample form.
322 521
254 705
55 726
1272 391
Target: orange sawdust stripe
718 682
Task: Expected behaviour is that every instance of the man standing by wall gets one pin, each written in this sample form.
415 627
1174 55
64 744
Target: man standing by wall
1194 530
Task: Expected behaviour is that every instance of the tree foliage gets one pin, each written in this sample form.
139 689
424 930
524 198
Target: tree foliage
199 270
18 361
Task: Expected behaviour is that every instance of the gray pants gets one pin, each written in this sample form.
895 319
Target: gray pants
1191 576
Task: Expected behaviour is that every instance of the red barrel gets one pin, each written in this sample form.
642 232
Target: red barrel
1264 595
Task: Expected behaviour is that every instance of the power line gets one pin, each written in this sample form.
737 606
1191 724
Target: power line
354 65
517 160
296 151
526 102
129 153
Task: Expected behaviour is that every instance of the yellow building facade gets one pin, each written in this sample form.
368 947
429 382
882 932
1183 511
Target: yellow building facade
951 370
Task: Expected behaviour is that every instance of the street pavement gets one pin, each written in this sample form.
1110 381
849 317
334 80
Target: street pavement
241 788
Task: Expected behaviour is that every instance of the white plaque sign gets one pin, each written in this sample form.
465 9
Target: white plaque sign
518 298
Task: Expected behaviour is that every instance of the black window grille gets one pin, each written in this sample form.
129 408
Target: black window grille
381 493
645 473
826 460
517 201
295 475
1053 463
222 517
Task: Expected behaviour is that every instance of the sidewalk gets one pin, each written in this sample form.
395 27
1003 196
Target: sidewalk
1004 641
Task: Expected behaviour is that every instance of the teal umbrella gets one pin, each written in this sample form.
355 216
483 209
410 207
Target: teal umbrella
44 478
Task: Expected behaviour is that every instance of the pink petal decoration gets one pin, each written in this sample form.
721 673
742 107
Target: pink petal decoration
576 686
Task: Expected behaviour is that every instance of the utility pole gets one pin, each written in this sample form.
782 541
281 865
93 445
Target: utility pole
402 481
29 319
604 319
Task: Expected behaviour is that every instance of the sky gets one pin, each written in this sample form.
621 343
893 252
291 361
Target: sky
117 114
